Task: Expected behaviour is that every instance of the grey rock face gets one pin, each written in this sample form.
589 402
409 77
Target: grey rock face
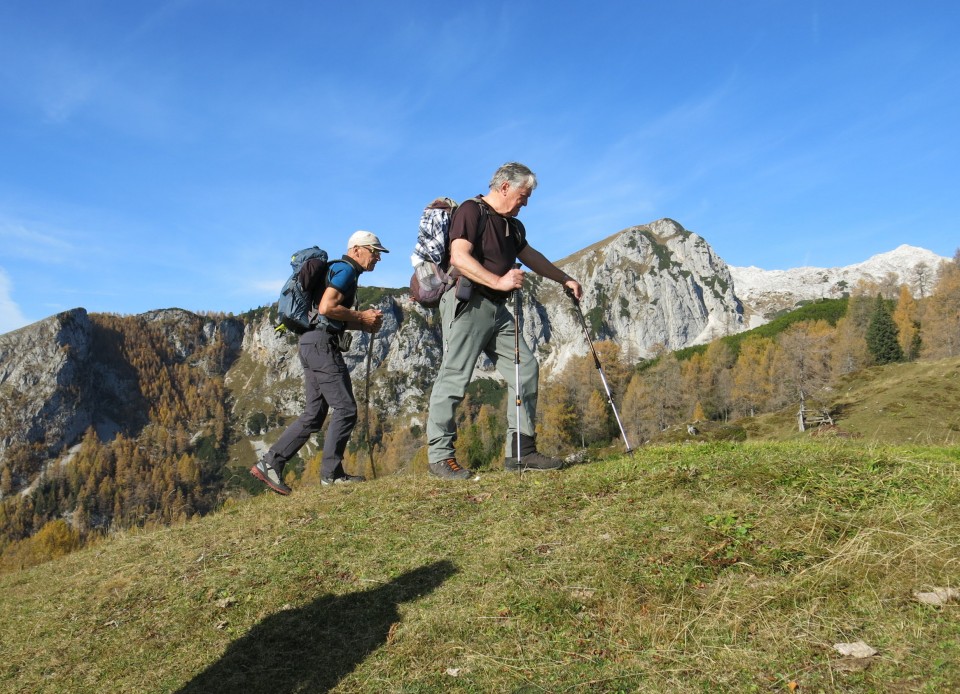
767 292
44 371
650 285
65 374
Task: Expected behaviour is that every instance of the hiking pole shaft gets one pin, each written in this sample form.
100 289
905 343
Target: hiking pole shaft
596 361
613 407
366 416
516 362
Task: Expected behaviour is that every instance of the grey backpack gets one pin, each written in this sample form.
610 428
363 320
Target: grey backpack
431 256
295 310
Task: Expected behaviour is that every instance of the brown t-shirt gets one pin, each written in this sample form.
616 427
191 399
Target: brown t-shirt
498 245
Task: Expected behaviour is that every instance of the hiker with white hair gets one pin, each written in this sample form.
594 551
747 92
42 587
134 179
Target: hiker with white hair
486 241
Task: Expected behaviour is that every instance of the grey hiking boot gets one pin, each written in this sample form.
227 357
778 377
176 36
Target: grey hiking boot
449 470
342 479
269 477
532 461
530 457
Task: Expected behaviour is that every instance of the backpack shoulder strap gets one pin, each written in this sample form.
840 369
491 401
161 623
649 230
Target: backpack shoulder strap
481 224
481 227
484 217
330 268
513 225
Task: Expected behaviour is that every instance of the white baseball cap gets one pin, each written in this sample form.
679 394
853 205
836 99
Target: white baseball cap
365 238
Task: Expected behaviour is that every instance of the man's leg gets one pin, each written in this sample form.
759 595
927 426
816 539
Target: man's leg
502 351
333 381
299 432
270 468
464 337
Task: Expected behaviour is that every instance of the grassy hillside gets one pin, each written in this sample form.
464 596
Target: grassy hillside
718 567
915 402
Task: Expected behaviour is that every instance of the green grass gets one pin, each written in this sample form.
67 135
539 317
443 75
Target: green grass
716 567
914 402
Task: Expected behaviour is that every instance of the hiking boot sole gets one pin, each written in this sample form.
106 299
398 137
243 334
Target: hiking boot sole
510 465
255 471
470 476
348 479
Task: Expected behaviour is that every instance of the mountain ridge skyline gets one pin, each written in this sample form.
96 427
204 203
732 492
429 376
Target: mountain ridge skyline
748 279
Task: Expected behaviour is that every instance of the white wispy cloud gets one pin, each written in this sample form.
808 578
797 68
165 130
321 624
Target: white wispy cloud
28 241
11 317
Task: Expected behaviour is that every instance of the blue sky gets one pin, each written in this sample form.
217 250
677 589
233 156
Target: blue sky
173 154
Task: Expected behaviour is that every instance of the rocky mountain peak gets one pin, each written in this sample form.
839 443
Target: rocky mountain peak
767 292
650 285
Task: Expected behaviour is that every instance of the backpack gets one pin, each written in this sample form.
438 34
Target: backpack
431 255
295 308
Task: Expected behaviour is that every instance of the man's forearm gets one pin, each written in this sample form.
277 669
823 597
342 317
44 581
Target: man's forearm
343 314
536 261
471 268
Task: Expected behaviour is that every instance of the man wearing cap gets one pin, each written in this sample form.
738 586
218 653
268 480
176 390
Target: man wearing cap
326 378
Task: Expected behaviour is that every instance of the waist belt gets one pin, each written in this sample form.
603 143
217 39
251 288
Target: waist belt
488 295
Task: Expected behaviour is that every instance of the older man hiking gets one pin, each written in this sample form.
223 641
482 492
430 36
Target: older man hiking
476 320
326 378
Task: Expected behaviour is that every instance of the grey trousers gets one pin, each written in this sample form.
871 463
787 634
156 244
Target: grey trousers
326 384
480 327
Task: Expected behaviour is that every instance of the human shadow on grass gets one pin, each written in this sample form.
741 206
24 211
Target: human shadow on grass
312 648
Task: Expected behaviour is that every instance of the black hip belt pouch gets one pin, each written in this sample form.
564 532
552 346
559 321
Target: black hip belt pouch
464 289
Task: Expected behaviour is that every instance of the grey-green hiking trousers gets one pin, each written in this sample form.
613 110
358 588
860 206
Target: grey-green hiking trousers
480 327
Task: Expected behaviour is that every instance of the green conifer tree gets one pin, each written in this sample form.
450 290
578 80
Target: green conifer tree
882 335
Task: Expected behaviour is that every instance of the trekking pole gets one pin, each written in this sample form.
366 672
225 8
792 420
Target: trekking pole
366 416
596 361
516 360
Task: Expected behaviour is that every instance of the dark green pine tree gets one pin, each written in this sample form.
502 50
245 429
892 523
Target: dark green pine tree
882 335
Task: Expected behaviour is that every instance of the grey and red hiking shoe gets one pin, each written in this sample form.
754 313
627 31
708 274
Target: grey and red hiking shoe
269 477
449 469
532 461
